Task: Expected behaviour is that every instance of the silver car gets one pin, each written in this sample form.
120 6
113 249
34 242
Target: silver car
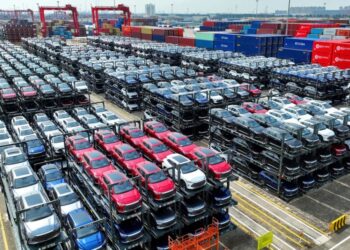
40 223
23 180
12 158
69 200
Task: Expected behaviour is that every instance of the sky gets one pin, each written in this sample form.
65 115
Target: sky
182 6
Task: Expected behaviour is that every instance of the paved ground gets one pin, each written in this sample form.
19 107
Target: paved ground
7 241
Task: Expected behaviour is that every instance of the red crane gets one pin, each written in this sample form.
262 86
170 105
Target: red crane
68 7
17 13
120 7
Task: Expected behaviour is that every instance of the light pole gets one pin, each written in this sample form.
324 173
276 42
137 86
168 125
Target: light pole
288 12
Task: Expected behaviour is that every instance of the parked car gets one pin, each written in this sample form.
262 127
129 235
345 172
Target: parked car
307 182
127 158
266 120
178 166
297 130
156 129
248 127
12 158
129 231
23 180
322 175
155 150
271 159
106 139
324 133
39 222
85 233
238 110
50 175
222 116
293 98
298 113
275 137
254 108
179 143
133 135
124 195
69 200
95 164
77 146
193 207
289 190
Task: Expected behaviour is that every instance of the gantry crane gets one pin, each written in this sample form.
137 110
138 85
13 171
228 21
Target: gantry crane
68 7
16 13
119 7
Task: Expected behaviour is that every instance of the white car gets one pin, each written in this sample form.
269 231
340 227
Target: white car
129 94
282 116
5 138
57 142
98 108
80 86
79 112
24 131
23 180
69 200
298 113
48 128
130 106
40 118
191 177
110 118
12 158
325 133
325 106
17 122
92 122
70 125
215 97
60 115
2 125
284 102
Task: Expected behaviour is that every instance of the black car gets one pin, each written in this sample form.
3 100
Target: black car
246 168
332 123
336 169
274 136
308 139
309 162
307 182
322 175
222 116
325 155
163 218
266 120
221 197
193 207
290 168
248 127
241 146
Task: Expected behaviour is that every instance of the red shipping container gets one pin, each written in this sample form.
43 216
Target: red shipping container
180 32
135 29
265 31
323 60
158 31
323 47
172 39
146 37
136 35
209 23
343 32
184 41
342 49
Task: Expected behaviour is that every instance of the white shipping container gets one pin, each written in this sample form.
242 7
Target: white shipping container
329 31
326 37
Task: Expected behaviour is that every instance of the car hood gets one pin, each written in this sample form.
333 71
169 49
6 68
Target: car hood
163 186
161 156
222 167
194 177
18 192
305 117
294 143
187 149
43 226
129 197
91 241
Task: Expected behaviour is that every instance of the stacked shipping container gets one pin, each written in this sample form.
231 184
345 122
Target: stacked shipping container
14 30
335 53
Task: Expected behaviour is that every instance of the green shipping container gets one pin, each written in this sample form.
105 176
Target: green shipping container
206 36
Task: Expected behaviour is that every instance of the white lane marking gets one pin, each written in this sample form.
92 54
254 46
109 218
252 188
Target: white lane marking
340 243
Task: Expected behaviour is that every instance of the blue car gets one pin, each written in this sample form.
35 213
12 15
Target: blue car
35 148
129 231
51 175
85 235
223 218
222 197
289 190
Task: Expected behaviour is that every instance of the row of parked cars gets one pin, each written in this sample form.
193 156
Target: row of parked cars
313 136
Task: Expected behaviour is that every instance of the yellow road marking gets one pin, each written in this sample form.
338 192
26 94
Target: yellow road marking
248 207
242 184
243 228
3 232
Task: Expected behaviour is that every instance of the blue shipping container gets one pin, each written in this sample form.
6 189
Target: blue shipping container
299 43
254 40
226 46
296 55
204 44
225 37
158 38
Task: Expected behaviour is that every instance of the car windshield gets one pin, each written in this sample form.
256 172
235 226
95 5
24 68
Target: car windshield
99 163
306 132
288 137
4 136
270 119
50 127
110 139
21 122
26 132
298 98
15 159
160 129
92 120
131 155
63 116
136 133
8 91
86 231
34 143
327 105
215 159
157 177
37 213
188 168
159 148
24 181
123 187
253 124
57 139
258 107
56 175
112 117
286 116
242 111
184 142
285 101
301 112
337 123
72 124
68 199
82 145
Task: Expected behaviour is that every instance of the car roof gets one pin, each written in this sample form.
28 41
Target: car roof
177 135
33 199
21 171
125 147
94 154
179 158
115 175
63 189
49 168
149 167
80 217
13 151
152 141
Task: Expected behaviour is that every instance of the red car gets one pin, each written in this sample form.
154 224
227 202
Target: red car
160 186
253 91
155 150
123 193
179 143
254 108
295 99
338 149
134 136
77 146
127 157
106 139
95 164
156 129
8 95
28 91
218 167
